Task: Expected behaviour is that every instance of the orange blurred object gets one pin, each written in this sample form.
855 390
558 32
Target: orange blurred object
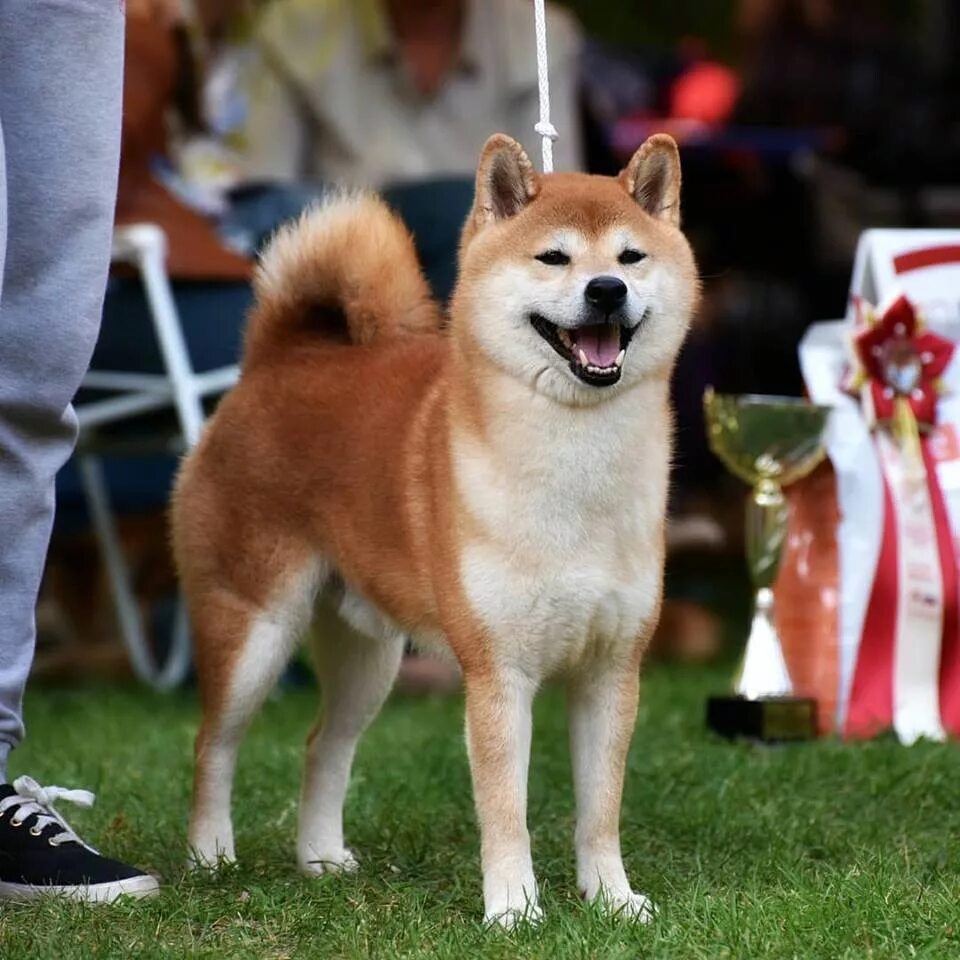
807 593
707 92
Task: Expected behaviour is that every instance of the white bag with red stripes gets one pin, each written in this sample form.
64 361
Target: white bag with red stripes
892 377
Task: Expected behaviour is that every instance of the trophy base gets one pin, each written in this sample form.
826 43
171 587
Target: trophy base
767 720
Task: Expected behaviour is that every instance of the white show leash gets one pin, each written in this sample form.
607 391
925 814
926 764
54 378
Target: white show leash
544 128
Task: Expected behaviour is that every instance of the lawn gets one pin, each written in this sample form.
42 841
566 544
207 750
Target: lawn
816 851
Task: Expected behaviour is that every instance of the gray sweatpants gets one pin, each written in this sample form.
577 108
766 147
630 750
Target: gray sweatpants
61 76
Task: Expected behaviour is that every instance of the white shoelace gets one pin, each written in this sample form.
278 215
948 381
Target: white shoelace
31 798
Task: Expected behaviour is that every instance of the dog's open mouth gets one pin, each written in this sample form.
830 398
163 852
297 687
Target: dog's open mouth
595 351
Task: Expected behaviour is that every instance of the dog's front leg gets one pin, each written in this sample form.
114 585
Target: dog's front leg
603 710
498 742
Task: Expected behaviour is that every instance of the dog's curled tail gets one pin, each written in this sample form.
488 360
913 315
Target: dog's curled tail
347 272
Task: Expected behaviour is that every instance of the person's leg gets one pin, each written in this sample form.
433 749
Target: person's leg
61 64
61 68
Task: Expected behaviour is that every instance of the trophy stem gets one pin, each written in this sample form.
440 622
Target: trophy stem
764 670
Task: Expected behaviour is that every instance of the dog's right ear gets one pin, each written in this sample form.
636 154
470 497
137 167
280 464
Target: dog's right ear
506 181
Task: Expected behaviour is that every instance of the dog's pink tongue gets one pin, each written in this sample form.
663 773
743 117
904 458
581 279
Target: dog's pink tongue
599 341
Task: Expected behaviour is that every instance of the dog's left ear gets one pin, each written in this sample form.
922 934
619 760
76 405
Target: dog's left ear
506 180
652 178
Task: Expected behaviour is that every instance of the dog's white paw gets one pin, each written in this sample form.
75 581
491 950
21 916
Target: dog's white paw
208 857
628 905
320 862
205 865
510 902
510 917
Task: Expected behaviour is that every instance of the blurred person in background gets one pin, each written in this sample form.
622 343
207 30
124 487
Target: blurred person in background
377 92
398 95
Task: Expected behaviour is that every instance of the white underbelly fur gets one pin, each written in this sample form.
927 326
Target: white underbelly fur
366 618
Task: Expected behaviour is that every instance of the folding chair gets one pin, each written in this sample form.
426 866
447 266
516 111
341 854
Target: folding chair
143 247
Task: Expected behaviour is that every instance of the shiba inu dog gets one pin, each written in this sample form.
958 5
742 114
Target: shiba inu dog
494 485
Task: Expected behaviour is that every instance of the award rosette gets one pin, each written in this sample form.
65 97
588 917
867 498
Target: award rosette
911 617
870 579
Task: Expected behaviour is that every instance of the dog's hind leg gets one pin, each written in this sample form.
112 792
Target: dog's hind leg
240 651
603 710
356 673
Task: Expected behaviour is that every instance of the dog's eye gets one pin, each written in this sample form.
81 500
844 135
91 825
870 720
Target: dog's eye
553 258
631 256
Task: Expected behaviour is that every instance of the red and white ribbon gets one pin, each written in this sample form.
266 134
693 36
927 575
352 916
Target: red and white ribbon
909 643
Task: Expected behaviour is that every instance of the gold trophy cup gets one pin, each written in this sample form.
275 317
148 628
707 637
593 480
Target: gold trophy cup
769 442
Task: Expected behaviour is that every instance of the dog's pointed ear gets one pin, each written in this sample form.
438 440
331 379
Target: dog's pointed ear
652 178
506 180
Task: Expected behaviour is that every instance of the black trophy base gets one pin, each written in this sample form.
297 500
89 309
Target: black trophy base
769 720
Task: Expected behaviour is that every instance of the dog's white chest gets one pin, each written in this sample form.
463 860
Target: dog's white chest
567 563
548 617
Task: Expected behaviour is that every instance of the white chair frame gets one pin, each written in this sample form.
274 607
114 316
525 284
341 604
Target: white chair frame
144 247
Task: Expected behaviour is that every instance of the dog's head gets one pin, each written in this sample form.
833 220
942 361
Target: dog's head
580 285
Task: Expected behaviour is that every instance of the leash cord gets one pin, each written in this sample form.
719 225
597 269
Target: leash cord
544 127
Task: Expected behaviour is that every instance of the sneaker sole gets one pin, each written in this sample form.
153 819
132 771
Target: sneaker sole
142 886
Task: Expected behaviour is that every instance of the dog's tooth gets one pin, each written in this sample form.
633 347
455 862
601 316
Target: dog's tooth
583 358
620 358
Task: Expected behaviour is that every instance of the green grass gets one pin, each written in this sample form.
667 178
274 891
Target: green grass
818 851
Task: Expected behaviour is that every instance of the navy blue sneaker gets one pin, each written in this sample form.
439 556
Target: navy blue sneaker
41 856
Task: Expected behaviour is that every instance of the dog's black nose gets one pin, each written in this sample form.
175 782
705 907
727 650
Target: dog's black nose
606 293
